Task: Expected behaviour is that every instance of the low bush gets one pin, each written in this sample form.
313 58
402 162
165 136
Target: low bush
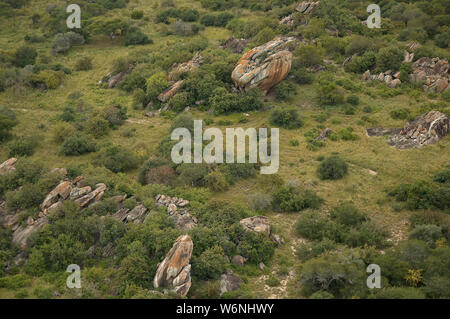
288 118
77 145
332 168
290 199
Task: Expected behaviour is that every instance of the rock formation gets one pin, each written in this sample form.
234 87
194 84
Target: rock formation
323 135
229 282
22 234
425 129
177 211
303 8
264 66
8 166
391 79
433 72
113 80
171 91
174 271
257 224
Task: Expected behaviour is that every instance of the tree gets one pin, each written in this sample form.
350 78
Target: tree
332 168
210 264
389 58
286 117
156 84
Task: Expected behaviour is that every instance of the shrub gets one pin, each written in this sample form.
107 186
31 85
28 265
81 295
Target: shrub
307 55
285 90
302 76
64 42
400 114
353 100
216 181
286 117
389 58
156 84
361 63
133 81
135 36
210 264
442 177
428 233
116 159
400 293
30 195
442 40
332 168
137 14
77 145
358 45
348 215
23 146
192 174
24 56
160 175
7 122
263 36
83 64
216 20
97 126
115 114
179 102
48 79
330 94
290 199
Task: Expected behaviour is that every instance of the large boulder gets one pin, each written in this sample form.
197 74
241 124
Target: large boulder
8 166
175 270
229 282
264 66
257 224
62 191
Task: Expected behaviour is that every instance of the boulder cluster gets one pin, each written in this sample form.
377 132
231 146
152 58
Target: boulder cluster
260 224
305 7
265 66
174 272
391 79
432 72
177 211
425 129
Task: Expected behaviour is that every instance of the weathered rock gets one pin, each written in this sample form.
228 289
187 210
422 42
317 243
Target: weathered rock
258 224
262 266
137 214
171 91
408 57
92 197
433 72
79 192
62 191
238 260
113 81
22 234
264 66
229 282
323 135
8 166
174 271
186 67
428 128
277 238
182 217
60 171
235 45
307 7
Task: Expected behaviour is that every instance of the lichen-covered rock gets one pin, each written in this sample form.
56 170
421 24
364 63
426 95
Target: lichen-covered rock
264 66
62 191
257 224
174 271
229 282
170 92
22 234
8 166
307 7
176 209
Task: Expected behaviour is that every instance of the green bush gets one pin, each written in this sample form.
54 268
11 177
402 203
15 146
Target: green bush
362 63
308 55
288 118
290 199
97 126
389 58
285 90
442 40
77 145
137 14
116 159
353 100
330 94
302 76
179 102
135 36
332 168
210 264
216 181
23 146
24 56
7 122
400 114
428 233
442 177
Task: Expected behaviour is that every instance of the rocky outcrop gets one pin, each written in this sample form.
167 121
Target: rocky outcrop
72 190
390 78
235 45
177 211
257 224
323 135
426 129
171 91
22 233
174 272
136 215
229 282
113 80
303 8
8 166
180 69
238 260
433 72
264 66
